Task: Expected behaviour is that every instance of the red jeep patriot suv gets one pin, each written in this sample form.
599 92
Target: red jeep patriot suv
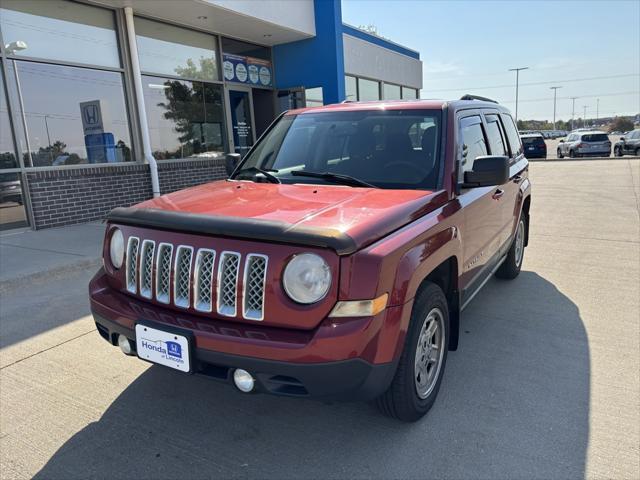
335 260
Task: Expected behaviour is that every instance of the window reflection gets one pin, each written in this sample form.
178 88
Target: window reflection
351 88
186 119
391 92
368 90
170 50
56 98
12 212
59 30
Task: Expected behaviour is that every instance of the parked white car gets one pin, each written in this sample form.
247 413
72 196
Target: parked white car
583 144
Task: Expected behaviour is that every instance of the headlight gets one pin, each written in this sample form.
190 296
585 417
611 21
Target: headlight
307 278
116 248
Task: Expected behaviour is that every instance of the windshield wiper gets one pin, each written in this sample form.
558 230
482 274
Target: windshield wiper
335 177
267 173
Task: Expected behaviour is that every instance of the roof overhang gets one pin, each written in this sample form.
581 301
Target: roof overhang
268 22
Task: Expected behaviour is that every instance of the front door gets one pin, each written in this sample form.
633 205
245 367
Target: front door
241 120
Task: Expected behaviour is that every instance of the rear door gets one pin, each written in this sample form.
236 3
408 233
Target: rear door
482 212
518 167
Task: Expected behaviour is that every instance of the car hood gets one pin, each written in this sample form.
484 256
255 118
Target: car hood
363 215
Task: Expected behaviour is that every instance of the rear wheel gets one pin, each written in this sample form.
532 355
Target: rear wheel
572 154
511 266
417 380
617 151
560 154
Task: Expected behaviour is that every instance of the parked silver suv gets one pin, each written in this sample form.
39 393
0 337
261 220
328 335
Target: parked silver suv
584 144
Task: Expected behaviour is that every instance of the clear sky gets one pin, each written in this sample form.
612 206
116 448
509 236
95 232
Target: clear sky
468 46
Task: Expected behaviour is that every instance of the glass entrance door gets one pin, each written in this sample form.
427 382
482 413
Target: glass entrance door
241 120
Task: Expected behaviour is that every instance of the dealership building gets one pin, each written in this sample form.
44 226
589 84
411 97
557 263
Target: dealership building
106 103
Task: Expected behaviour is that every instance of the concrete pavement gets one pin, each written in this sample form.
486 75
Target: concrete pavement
545 383
26 254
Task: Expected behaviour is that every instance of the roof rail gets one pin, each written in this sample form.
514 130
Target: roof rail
476 97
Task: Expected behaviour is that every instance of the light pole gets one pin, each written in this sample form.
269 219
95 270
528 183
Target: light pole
517 70
555 91
584 116
597 109
573 110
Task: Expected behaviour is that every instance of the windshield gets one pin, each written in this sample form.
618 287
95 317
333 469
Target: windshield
386 149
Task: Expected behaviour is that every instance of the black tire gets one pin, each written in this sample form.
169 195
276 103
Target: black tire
511 266
560 154
572 154
401 400
617 151
637 152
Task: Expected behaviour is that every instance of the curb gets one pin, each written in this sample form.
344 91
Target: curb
581 159
28 279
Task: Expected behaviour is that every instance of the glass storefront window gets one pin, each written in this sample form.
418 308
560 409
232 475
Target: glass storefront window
7 148
236 47
73 115
351 88
409 93
391 91
12 214
368 89
59 30
314 97
186 119
170 50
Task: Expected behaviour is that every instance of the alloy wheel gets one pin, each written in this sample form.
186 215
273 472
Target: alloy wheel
429 353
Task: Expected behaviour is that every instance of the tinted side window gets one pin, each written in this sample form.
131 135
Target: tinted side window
472 140
512 135
495 136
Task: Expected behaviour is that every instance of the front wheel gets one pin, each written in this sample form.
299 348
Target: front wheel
617 151
560 154
417 380
511 266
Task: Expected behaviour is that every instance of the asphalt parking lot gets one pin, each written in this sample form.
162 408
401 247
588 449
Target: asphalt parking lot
545 383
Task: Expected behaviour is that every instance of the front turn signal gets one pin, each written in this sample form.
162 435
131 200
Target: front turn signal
360 308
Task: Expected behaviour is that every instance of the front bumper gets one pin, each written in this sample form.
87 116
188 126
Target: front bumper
353 360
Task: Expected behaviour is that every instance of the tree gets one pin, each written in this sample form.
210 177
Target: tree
621 124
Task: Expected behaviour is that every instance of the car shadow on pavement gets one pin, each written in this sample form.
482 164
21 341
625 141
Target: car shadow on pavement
514 403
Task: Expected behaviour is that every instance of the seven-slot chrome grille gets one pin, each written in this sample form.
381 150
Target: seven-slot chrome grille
185 277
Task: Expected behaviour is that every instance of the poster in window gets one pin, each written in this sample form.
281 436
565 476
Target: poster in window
253 71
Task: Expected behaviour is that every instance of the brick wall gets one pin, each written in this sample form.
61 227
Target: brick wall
67 196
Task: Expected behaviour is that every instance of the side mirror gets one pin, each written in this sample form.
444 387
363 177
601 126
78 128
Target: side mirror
561 140
231 162
487 171
622 138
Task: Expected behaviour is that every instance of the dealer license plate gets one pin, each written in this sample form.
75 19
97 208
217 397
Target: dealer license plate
165 348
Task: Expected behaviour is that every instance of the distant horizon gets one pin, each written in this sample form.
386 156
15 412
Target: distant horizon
582 50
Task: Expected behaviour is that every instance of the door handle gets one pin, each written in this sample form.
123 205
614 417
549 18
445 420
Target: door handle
517 179
497 194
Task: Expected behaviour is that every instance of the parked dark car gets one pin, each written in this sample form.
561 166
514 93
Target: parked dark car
534 145
628 145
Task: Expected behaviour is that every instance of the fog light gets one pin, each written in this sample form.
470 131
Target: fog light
243 380
125 345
